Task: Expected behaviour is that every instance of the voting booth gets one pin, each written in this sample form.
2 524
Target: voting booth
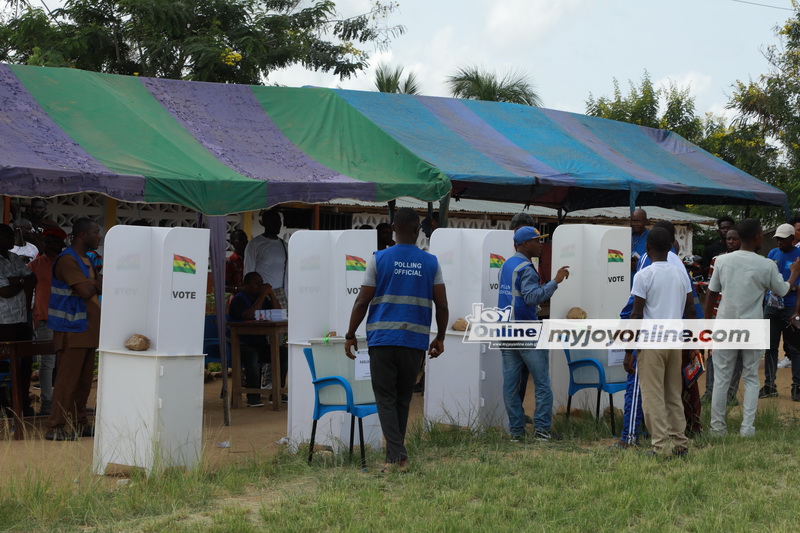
464 386
599 283
150 403
326 269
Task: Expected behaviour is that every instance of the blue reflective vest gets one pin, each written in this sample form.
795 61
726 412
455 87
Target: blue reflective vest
401 310
510 293
67 310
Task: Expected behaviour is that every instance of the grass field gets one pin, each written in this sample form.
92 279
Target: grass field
458 481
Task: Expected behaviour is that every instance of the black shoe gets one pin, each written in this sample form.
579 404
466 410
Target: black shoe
796 393
768 392
546 435
680 451
87 431
60 435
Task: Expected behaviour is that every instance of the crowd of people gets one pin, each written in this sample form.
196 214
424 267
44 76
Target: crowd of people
53 284
737 283
51 293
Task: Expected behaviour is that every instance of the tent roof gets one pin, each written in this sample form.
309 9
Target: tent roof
223 148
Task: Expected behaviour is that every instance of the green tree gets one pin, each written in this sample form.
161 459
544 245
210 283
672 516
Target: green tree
745 146
670 108
772 103
239 41
475 83
389 80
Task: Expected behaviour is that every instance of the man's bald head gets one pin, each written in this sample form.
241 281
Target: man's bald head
638 221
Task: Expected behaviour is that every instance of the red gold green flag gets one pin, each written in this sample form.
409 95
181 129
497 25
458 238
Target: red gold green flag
496 261
353 262
183 264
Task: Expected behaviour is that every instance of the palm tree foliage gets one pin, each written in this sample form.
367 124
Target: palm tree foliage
475 83
389 80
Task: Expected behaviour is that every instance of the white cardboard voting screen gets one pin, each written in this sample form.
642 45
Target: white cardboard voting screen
464 386
598 286
149 403
325 275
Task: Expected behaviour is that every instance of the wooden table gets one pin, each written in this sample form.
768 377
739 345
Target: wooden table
14 351
273 330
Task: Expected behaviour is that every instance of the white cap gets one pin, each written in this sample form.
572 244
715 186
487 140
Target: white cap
784 230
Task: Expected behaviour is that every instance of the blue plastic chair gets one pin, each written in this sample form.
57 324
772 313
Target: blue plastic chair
356 411
600 384
211 344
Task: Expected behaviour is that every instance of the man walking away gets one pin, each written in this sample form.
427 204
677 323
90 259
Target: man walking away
400 286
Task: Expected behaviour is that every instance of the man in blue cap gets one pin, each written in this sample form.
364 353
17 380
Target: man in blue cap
521 290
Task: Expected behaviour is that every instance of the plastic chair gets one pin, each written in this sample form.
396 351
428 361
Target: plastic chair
211 345
356 411
600 384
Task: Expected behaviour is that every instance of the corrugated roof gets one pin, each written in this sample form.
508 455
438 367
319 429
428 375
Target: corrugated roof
503 208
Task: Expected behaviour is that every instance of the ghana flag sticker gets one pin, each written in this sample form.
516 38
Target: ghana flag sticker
353 262
496 261
614 256
182 263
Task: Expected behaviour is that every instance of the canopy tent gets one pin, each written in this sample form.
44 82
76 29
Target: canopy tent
222 148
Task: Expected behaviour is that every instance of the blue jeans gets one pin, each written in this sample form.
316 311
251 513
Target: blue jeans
538 363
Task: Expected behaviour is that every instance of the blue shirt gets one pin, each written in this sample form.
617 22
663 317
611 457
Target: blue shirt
520 288
784 261
639 243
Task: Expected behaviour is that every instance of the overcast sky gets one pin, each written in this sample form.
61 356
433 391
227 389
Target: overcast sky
571 48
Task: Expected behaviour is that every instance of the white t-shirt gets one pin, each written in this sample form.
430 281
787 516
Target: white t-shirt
743 278
664 286
268 258
29 250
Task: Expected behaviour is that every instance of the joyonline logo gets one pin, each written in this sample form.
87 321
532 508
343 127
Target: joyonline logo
494 325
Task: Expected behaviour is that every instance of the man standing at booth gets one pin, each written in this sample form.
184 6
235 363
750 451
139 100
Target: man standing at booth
400 286
267 254
520 289
74 316
639 233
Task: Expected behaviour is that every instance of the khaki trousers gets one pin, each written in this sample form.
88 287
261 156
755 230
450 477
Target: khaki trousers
660 381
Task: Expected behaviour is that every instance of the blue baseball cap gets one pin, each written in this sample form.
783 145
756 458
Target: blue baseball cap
526 233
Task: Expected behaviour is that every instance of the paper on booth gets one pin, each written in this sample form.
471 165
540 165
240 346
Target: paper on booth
362 365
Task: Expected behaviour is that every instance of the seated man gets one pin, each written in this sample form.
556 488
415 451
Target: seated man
254 348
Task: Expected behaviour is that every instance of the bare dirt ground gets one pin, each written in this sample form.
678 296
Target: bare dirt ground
253 432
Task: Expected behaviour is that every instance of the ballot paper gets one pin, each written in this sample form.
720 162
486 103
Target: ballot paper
362 365
615 357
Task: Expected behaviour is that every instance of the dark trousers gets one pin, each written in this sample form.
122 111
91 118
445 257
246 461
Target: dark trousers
19 332
394 372
251 365
691 398
72 386
778 321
